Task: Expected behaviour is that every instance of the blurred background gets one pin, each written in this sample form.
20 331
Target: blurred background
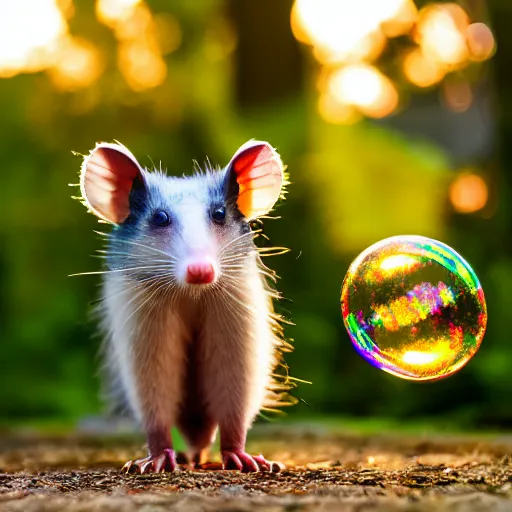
393 117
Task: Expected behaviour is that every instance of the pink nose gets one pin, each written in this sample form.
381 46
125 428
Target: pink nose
200 273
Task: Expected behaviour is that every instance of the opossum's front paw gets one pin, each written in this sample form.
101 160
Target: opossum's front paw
164 461
239 460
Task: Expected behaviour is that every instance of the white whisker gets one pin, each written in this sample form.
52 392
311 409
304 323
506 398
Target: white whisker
154 249
243 236
131 269
151 293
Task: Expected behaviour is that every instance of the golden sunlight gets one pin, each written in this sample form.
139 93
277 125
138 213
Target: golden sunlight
335 112
137 24
403 21
140 58
29 35
343 30
364 87
111 12
347 37
141 65
79 64
468 193
420 70
441 33
67 8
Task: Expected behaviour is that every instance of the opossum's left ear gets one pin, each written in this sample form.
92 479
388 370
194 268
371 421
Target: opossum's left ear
257 171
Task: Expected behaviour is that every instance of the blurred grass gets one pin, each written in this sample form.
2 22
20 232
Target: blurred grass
326 423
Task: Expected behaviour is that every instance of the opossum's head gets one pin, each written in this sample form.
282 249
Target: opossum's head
182 231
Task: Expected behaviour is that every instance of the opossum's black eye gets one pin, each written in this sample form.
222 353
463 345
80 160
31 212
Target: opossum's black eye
219 215
161 218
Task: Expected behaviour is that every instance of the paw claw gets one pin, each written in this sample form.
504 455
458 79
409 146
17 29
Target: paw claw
165 461
241 461
158 464
231 461
145 465
126 468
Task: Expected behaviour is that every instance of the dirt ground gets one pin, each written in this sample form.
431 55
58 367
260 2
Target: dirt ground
325 471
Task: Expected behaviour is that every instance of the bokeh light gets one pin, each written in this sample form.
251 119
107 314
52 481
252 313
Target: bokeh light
365 87
347 31
30 31
140 56
402 21
457 94
348 38
35 36
113 12
420 70
78 64
441 33
141 64
468 193
343 28
168 32
480 41
67 8
336 112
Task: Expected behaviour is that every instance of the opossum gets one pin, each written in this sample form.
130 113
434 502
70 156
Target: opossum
191 337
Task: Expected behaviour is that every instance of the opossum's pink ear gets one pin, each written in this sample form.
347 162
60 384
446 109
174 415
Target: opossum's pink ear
106 180
259 174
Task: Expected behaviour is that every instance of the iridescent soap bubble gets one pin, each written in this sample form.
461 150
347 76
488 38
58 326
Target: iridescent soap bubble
413 307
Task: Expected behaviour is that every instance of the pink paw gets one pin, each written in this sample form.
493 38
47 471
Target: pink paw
246 463
165 461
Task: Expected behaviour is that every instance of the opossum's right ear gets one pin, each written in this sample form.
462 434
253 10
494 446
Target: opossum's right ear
107 177
255 175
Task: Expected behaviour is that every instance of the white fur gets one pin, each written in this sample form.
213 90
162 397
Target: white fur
148 337
146 340
118 305
238 349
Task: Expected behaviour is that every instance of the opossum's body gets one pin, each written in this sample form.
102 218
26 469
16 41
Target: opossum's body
191 362
191 337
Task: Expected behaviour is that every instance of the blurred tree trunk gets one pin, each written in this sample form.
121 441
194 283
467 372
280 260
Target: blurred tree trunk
501 21
268 60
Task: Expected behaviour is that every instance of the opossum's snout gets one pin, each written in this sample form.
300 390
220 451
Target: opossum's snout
201 272
198 267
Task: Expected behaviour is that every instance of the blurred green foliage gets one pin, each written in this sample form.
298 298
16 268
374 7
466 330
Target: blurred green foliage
351 186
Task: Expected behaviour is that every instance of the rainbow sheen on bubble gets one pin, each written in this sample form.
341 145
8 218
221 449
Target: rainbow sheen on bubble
413 307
